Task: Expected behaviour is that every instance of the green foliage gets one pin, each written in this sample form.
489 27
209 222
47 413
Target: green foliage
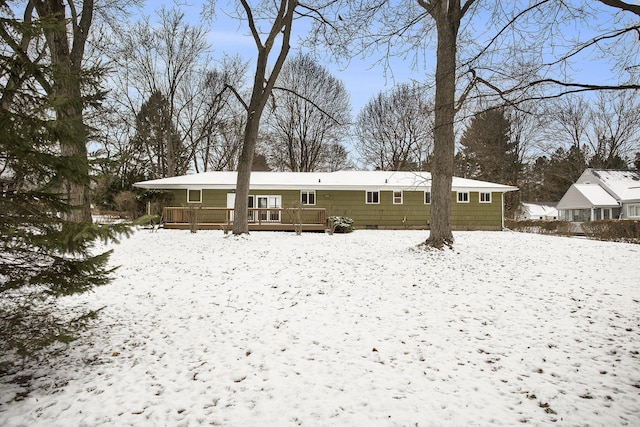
613 230
549 178
147 220
42 255
33 324
487 149
340 224
157 135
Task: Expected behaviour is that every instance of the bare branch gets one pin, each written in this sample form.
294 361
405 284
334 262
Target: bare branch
329 115
237 95
633 8
252 24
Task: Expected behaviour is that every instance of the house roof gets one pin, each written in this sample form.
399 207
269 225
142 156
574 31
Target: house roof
540 209
622 185
586 196
340 180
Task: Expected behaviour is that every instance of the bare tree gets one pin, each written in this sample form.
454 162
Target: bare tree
616 129
522 54
394 129
569 125
337 158
162 60
604 127
278 17
310 114
212 121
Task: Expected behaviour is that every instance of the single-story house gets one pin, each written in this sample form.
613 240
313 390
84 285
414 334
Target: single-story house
539 211
373 199
602 194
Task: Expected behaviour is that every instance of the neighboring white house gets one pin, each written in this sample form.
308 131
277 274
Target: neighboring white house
542 211
602 194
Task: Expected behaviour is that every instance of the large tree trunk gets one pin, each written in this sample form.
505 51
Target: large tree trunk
447 17
262 88
240 218
66 97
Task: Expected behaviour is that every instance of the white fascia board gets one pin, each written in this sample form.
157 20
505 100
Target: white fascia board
486 189
150 185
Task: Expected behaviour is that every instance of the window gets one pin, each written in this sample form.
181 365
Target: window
485 197
397 197
373 197
578 215
194 196
427 197
463 197
634 211
251 205
308 197
269 208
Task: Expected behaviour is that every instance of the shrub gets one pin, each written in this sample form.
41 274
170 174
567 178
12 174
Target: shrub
614 230
562 228
147 221
126 202
340 224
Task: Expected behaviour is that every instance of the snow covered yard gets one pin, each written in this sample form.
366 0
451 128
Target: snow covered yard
361 329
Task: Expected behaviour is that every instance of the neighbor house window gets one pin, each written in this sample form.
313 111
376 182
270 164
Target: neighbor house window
463 197
634 211
308 197
427 197
373 197
578 215
397 197
194 196
485 197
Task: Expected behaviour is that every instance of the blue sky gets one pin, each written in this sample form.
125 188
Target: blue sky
362 77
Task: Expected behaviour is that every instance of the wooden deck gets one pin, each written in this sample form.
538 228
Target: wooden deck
281 219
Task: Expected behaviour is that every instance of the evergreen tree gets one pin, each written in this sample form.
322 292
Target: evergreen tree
563 169
487 151
44 252
157 142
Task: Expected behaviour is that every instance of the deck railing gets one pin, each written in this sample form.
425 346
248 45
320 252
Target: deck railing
260 217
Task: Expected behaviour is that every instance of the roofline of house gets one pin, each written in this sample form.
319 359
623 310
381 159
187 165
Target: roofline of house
388 187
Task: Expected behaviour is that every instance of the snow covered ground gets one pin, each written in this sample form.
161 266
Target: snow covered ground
362 329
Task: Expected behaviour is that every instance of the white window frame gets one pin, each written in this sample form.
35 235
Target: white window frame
633 211
425 197
189 190
465 198
401 197
484 193
372 192
308 192
269 207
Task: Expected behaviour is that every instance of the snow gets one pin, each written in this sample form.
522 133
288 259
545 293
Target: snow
586 196
338 180
539 210
362 329
624 185
596 195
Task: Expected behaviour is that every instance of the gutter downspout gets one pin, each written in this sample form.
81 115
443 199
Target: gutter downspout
502 207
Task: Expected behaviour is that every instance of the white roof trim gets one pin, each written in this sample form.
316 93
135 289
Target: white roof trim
341 180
